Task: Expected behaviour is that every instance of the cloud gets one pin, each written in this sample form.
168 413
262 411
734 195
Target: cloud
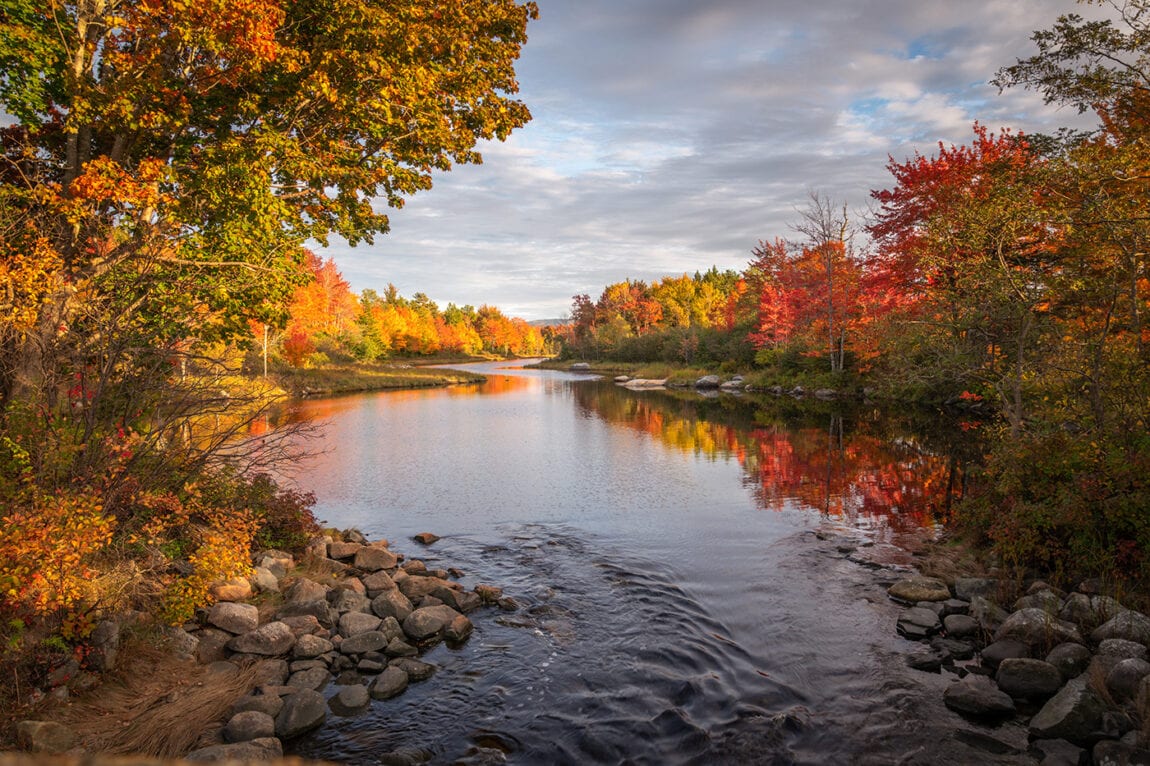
672 135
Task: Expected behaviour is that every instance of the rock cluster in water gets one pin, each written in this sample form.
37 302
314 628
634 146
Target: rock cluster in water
361 621
1072 666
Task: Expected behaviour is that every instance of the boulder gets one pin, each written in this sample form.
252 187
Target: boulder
270 640
1025 678
968 588
416 586
271 671
264 580
268 704
953 648
489 593
45 737
234 618
994 653
371 641
978 696
397 647
458 630
580 367
389 683
305 590
1057 752
302 712
430 622
183 643
928 660
1037 628
960 625
466 601
276 562
318 609
305 624
415 670
708 381
212 643
1070 659
248 725
235 589
1046 600
1123 649
1132 626
1109 752
911 590
308 646
989 614
312 678
1073 714
263 749
1125 677
916 623
377 582
427 538
350 700
392 603
354 623
349 600
373 559
340 550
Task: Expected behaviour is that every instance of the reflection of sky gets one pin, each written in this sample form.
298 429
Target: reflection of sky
672 136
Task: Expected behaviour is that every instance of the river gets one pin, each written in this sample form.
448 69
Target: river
701 580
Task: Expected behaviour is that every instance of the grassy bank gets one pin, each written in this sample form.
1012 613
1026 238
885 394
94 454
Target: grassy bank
351 378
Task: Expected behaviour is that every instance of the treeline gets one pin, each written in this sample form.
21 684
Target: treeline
1012 270
326 321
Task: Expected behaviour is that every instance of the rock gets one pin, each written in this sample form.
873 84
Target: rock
276 562
388 684
264 580
968 588
413 567
183 644
1132 626
952 606
378 582
212 645
929 660
1045 600
374 559
916 623
349 600
978 696
1073 714
1037 628
397 647
993 654
268 704
580 367
1070 659
391 628
249 725
1057 752
234 618
1040 586
953 648
308 646
340 550
303 711
319 610
1125 677
354 623
467 602
371 641
270 640
45 737
312 678
913 589
960 625
1024 678
235 589
392 603
264 749
489 593
415 670
350 700
826 393
458 630
1107 752
305 590
708 381
429 622
416 587
426 538
1120 647
989 614
305 625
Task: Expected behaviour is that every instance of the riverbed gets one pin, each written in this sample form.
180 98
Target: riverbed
699 580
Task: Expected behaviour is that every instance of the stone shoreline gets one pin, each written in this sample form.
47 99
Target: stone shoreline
352 613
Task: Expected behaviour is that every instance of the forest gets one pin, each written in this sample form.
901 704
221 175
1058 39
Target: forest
168 164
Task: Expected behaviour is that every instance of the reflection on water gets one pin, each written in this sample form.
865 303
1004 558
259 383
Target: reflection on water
677 605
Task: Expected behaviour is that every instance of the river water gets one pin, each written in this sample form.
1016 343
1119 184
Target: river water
701 580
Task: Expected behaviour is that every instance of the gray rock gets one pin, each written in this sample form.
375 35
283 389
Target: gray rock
276 562
303 590
343 551
268 704
994 653
708 381
308 646
45 737
415 670
264 580
917 588
248 725
378 582
350 700
1070 659
1024 678
314 679
374 559
1057 752
305 625
397 647
302 712
466 601
430 622
270 640
953 606
388 684
233 617
391 628
1037 628
1107 752
348 600
955 649
317 609
416 587
928 660
967 588
977 695
1132 626
1125 677
1073 714
1045 600
1120 647
354 623
265 749
299 665
915 623
392 603
371 641
183 643
960 625
105 644
989 614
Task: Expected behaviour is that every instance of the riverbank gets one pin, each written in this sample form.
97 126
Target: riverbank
334 379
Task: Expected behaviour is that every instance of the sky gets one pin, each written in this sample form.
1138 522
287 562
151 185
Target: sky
669 136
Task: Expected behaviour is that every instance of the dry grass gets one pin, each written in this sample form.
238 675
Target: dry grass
155 705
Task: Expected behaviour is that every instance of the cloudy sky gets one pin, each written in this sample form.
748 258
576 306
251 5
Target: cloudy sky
673 135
